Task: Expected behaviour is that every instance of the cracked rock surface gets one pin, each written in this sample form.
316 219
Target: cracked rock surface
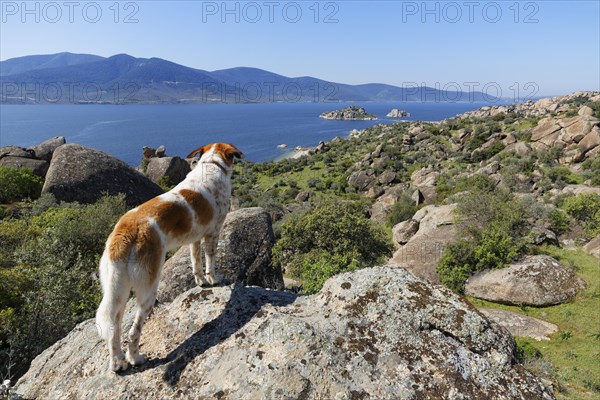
378 333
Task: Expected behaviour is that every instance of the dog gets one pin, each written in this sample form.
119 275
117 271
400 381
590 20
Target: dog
191 213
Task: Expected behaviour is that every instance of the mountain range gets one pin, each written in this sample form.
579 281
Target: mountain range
121 79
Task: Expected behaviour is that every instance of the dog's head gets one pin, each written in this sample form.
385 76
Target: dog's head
227 152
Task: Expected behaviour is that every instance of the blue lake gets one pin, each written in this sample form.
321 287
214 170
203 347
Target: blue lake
257 129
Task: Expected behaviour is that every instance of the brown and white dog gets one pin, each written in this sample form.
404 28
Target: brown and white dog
191 213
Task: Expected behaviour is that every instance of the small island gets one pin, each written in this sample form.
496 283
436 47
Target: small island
352 113
397 113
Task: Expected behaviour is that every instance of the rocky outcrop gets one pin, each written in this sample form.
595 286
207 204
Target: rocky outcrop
397 113
578 136
384 204
174 169
244 251
425 180
243 256
38 167
150 152
81 174
421 254
375 333
521 325
353 113
534 281
538 108
45 150
15 151
35 158
362 180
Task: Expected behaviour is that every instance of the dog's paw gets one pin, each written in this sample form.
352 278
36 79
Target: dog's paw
138 359
200 281
118 364
213 279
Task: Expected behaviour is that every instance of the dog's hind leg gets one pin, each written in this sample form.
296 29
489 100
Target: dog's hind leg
145 293
116 287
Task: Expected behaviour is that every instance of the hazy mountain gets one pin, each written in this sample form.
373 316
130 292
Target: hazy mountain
28 63
84 78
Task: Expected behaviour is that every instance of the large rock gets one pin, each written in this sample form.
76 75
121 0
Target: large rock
174 169
81 174
362 180
591 140
45 150
521 325
593 247
244 251
424 177
38 167
377 333
403 231
534 281
243 256
177 275
384 204
15 151
544 128
421 254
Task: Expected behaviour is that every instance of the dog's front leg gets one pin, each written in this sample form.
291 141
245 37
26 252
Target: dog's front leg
210 248
196 256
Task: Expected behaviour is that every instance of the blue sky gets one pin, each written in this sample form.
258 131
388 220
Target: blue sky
552 47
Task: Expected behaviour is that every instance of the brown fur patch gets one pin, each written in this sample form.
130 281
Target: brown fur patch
133 229
149 250
202 207
171 217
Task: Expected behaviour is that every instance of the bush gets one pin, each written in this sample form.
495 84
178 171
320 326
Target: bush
61 251
585 208
403 210
329 238
318 266
493 225
591 169
456 265
18 184
559 222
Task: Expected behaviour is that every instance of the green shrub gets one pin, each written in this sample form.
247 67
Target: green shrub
493 226
332 236
561 176
478 182
318 266
166 183
19 184
591 168
403 210
456 265
559 222
486 154
585 208
61 250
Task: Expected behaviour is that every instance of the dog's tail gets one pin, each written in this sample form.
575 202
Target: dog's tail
115 289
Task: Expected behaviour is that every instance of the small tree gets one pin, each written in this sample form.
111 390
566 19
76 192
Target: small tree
329 238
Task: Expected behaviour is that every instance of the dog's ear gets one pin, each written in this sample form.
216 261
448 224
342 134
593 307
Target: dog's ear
199 151
233 151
